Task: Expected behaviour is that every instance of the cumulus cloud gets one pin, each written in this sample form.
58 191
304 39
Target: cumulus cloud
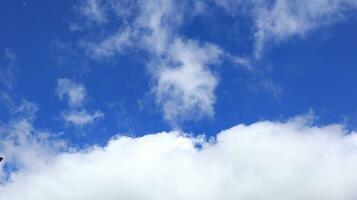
264 160
75 94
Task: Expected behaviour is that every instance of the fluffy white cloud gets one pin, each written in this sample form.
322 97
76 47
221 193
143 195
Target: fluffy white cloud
75 93
81 118
265 160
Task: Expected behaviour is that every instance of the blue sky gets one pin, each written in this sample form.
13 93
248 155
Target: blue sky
301 73
85 72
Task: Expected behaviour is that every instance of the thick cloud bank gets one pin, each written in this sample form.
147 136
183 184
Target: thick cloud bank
265 160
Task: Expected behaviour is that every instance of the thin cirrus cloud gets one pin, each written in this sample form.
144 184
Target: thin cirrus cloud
75 95
264 160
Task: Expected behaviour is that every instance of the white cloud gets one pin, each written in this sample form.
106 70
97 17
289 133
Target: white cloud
265 160
80 118
285 19
154 26
278 20
184 84
147 23
75 93
23 146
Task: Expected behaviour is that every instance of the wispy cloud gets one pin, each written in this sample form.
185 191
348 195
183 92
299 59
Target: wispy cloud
7 68
109 46
75 94
184 83
81 118
153 26
94 11
185 89
278 20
